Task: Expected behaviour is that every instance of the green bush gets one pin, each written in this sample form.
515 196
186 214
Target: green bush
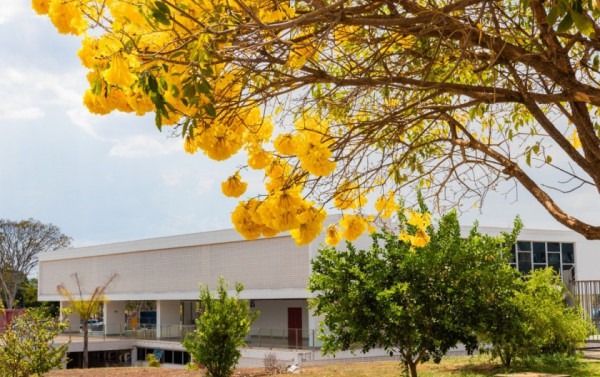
224 323
153 362
27 346
535 321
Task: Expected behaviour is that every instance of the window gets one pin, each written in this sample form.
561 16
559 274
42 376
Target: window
527 256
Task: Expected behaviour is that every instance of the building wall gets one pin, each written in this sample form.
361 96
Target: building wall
175 273
274 313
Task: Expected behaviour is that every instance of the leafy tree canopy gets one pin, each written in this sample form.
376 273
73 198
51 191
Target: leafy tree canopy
368 97
20 242
416 301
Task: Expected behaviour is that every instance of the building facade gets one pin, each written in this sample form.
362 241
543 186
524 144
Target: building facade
274 272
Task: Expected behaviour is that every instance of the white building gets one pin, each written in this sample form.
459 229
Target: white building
274 273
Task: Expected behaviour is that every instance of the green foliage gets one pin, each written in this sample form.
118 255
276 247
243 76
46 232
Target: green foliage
27 347
153 362
535 321
418 302
220 330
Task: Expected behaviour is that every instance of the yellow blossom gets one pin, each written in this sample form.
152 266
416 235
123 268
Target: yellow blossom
233 187
284 144
258 158
420 239
41 6
310 225
118 73
420 220
386 206
241 218
354 226
332 235
405 237
66 16
189 145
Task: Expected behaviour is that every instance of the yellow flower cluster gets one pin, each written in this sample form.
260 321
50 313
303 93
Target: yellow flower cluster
311 145
353 226
66 16
349 196
332 235
233 187
421 221
386 205
285 210
152 56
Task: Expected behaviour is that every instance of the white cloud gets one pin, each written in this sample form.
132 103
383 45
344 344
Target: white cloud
26 93
9 112
11 9
204 185
172 178
144 146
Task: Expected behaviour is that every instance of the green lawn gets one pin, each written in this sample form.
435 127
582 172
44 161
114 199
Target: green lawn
451 366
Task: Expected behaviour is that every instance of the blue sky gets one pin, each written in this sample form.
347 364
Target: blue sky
115 178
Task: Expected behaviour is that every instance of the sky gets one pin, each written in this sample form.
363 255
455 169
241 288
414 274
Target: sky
104 179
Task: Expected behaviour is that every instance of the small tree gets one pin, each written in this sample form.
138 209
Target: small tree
418 301
535 320
27 347
87 307
221 328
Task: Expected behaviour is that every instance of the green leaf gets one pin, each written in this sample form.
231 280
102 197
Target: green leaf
553 15
163 7
565 24
152 83
583 24
210 110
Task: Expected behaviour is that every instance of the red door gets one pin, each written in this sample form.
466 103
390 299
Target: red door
295 327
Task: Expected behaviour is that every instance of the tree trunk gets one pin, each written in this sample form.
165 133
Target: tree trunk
85 344
412 367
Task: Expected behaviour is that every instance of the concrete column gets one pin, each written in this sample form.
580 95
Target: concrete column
74 319
313 329
167 319
114 317
134 359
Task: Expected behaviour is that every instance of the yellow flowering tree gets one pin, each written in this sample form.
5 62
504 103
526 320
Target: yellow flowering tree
338 102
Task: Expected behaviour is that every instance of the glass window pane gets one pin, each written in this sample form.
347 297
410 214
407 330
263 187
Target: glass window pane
553 246
554 261
568 253
539 252
524 262
524 268
524 245
539 266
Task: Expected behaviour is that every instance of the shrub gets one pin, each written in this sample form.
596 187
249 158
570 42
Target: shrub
535 321
27 347
220 330
272 365
153 362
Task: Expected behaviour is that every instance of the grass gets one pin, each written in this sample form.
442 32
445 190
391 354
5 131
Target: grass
449 367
